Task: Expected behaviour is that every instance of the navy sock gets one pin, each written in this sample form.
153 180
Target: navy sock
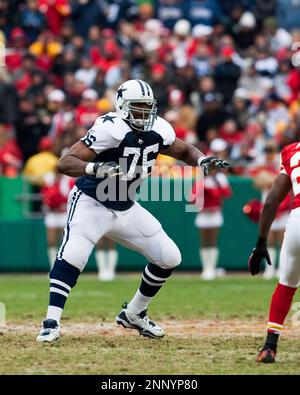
63 277
153 278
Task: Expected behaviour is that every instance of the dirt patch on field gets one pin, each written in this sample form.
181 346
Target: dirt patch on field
184 328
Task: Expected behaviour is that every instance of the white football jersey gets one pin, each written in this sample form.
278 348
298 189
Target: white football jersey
113 140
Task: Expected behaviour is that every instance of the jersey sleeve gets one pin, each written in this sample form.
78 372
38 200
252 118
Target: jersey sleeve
98 138
166 131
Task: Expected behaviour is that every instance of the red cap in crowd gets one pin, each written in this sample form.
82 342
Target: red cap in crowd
45 144
158 69
227 52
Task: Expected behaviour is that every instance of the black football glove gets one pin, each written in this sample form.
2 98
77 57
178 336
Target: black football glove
107 169
212 163
259 253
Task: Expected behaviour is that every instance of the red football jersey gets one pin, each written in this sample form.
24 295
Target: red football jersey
290 165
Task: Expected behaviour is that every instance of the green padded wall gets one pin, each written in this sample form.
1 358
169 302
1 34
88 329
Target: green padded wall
23 242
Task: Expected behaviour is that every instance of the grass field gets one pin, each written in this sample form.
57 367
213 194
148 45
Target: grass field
211 328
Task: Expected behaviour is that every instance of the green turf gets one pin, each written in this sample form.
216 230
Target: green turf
184 297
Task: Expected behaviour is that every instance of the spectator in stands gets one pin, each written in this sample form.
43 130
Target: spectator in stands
213 115
60 117
23 75
204 12
99 84
255 85
274 115
32 19
16 48
169 11
288 13
41 165
31 126
240 108
56 11
86 14
202 60
7 9
86 73
10 154
8 98
264 8
227 74
45 50
87 111
205 85
244 153
244 31
230 132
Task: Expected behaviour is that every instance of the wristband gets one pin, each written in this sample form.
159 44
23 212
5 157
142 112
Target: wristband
89 169
200 160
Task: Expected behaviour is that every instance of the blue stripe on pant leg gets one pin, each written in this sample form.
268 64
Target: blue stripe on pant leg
70 217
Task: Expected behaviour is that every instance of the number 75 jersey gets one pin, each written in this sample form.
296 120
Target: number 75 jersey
290 165
113 140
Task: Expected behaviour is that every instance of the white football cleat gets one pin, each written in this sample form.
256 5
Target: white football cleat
50 332
139 322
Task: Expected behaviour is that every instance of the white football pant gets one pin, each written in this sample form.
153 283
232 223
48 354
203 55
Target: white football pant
135 228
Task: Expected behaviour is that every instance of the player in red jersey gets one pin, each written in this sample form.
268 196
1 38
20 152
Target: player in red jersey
264 177
288 178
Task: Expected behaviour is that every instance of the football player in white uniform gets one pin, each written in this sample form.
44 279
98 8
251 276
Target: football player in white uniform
110 162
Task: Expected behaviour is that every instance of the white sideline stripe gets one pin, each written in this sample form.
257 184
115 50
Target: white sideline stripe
59 291
58 282
152 275
150 283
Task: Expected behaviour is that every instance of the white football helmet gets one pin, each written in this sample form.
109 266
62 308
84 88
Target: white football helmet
128 97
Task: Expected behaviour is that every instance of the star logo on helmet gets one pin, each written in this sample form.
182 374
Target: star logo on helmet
108 118
120 93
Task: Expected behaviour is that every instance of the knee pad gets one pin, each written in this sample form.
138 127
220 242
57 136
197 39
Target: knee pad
77 251
171 256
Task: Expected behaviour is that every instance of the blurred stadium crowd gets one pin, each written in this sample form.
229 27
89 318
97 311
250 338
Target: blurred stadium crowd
219 69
